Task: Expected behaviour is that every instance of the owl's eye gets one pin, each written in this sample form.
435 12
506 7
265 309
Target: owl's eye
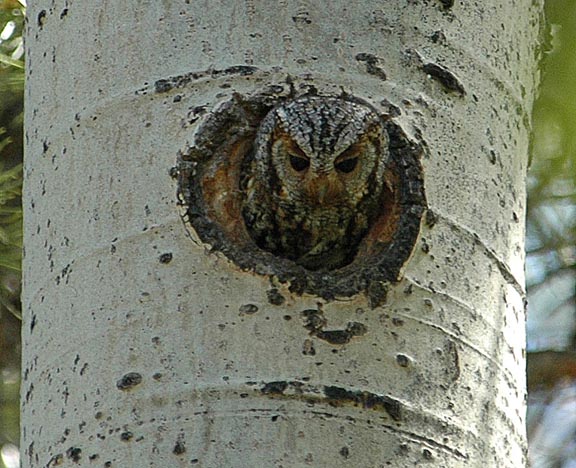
299 163
347 165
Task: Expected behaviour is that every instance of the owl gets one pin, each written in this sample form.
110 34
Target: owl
314 182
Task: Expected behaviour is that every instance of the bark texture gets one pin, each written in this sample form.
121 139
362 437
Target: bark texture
143 348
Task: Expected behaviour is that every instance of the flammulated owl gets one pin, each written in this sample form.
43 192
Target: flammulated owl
314 184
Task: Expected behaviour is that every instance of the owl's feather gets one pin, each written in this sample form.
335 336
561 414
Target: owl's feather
314 184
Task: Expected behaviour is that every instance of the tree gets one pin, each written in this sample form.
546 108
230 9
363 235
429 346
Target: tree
144 342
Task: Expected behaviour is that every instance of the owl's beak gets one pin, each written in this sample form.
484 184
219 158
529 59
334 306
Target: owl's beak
323 189
322 193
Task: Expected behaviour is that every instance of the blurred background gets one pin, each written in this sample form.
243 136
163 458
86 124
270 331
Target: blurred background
550 245
11 105
551 250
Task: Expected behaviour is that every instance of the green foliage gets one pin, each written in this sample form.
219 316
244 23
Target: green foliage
10 216
11 105
11 89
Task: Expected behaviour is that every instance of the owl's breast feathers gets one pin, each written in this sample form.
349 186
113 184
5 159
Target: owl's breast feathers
316 237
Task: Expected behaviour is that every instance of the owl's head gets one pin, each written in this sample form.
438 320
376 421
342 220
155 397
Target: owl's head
324 151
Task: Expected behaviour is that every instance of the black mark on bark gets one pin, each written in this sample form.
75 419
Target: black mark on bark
274 388
129 381
341 396
445 77
41 18
274 297
314 322
372 67
74 454
165 257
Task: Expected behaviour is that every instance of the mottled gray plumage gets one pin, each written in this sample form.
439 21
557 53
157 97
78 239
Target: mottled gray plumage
315 181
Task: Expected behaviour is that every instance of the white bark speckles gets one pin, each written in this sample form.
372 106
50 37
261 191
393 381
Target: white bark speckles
142 348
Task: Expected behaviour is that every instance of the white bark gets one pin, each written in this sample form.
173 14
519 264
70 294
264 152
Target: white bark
100 207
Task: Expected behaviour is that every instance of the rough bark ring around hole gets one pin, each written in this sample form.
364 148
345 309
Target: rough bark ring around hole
213 189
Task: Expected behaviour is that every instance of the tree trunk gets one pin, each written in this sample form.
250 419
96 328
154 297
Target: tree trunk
149 343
